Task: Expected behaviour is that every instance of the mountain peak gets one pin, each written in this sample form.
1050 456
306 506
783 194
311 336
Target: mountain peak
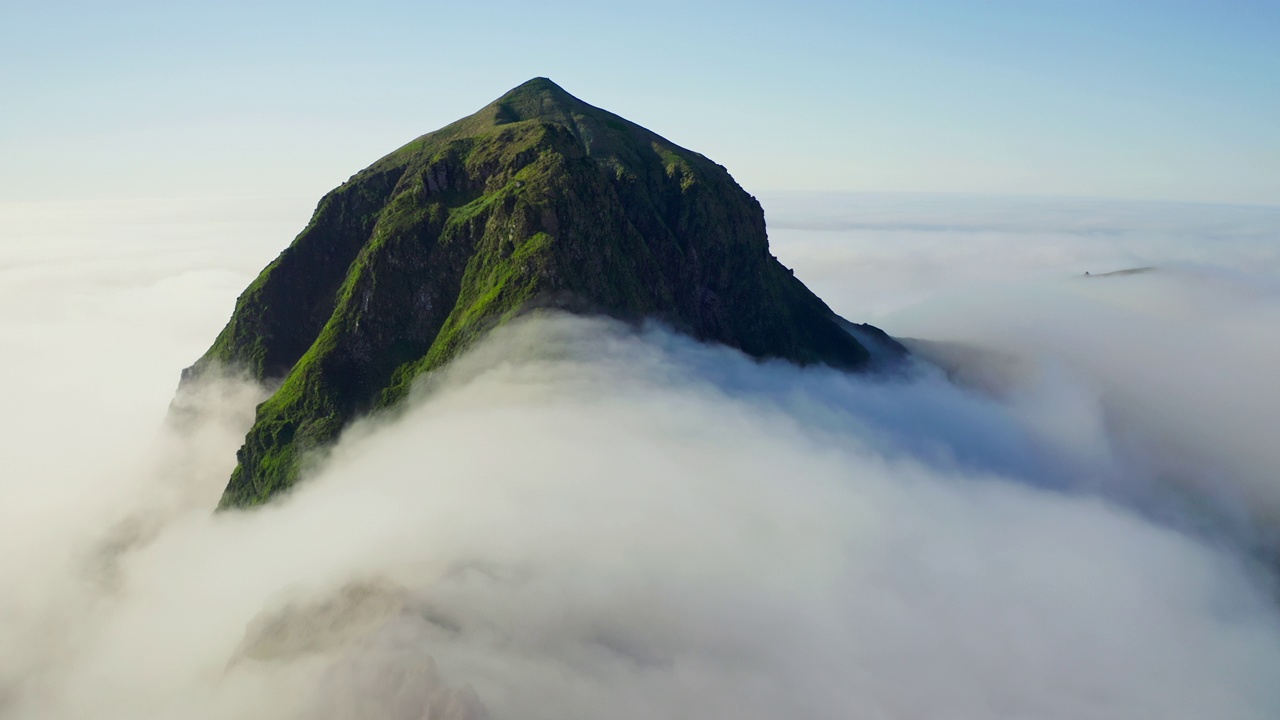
536 86
537 201
537 99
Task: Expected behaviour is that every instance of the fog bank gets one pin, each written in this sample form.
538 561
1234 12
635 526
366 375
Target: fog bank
1068 517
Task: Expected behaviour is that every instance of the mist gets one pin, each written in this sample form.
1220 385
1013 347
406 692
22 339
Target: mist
1066 508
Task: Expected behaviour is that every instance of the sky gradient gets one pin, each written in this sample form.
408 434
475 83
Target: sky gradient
1152 100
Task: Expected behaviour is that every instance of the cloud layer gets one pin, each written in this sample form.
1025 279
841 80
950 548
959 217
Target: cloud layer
1065 520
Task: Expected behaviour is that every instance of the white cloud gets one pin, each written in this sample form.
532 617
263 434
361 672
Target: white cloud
577 521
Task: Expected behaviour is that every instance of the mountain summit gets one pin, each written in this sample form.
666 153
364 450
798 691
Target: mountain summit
538 200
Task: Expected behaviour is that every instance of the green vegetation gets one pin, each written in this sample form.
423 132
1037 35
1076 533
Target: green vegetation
538 200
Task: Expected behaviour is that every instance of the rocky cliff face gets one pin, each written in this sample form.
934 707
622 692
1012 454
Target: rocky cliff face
539 200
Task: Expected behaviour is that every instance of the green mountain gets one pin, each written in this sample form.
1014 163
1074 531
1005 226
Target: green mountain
538 200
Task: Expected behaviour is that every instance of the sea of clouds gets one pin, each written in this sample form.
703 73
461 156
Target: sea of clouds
1069 508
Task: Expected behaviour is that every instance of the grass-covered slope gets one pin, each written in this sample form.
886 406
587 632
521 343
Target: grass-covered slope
538 200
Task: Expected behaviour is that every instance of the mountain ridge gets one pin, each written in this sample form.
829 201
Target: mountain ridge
538 200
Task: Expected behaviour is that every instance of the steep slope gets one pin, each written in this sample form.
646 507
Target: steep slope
537 200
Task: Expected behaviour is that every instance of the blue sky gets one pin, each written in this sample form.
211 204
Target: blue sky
1161 100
